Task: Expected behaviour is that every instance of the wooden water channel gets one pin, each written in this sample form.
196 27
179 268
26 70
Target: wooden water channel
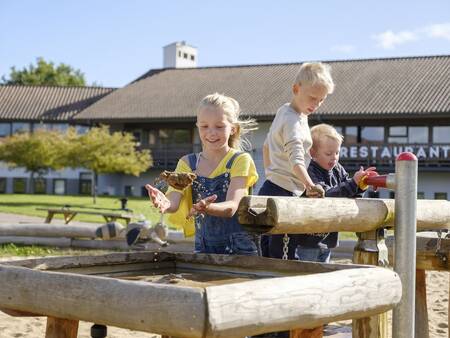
193 295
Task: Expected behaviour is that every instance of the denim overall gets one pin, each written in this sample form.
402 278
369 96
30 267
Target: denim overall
218 235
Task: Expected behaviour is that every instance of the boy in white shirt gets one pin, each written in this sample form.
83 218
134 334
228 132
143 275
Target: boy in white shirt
286 149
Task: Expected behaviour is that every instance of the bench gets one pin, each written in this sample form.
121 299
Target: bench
70 214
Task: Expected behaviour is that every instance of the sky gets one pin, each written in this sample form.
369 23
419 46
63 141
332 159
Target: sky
113 42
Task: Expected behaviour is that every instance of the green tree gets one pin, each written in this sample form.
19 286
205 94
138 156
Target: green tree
37 153
45 73
104 153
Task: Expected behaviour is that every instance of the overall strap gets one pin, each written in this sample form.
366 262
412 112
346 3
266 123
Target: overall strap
231 160
193 161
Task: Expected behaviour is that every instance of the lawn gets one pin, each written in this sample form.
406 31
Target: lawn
24 204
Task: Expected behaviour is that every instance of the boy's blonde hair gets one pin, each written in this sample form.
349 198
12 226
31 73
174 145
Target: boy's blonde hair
311 74
232 111
320 131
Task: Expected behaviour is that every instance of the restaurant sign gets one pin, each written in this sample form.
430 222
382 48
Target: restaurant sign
423 152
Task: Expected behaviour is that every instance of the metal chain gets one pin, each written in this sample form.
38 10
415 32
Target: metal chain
285 246
438 253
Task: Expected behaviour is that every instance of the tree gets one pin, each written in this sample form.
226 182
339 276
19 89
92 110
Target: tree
45 73
37 153
104 152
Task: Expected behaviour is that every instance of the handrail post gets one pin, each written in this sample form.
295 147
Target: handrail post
405 243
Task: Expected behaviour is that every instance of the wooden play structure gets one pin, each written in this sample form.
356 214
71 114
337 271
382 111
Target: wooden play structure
193 295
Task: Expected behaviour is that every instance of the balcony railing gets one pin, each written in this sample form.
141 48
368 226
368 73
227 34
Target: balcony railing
166 157
429 155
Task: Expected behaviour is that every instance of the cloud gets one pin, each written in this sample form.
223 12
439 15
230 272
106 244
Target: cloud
438 31
389 39
346 49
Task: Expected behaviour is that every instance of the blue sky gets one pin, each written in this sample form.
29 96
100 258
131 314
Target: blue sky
114 42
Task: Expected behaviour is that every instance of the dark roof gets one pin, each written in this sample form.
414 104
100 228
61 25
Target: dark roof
46 102
410 85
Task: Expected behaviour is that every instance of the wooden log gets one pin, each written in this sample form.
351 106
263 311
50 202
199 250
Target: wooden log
55 230
302 215
150 307
61 328
270 305
421 316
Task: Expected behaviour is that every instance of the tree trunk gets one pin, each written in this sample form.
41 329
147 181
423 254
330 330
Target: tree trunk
31 183
94 186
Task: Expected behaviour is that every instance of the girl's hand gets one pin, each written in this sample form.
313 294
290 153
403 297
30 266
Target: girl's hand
158 199
362 173
201 206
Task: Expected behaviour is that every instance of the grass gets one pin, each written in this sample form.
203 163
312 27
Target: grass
26 204
17 250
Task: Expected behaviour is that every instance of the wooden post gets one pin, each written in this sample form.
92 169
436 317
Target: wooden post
371 250
49 217
307 333
61 328
421 315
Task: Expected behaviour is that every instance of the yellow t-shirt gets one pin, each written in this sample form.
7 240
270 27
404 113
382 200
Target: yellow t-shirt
242 166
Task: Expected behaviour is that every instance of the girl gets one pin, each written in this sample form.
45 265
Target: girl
224 176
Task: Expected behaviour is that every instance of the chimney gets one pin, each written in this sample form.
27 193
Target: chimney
179 55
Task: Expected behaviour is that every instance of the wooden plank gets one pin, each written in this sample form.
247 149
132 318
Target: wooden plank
15 313
421 315
272 305
61 328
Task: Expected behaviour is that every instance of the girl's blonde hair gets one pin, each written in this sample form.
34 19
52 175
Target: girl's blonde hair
320 131
232 111
311 74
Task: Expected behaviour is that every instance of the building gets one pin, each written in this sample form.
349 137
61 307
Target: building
179 55
381 106
28 108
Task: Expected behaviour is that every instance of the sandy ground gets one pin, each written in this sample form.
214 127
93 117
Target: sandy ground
34 327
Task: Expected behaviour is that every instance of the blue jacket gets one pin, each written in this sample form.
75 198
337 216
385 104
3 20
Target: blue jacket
336 183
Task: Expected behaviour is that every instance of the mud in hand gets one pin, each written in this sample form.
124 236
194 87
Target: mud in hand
178 181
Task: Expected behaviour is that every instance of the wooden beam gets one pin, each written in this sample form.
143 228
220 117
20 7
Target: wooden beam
421 315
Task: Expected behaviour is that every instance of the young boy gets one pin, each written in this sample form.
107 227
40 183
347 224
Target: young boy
286 149
325 170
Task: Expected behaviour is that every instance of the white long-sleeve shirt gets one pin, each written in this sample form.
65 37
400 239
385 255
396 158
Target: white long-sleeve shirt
289 141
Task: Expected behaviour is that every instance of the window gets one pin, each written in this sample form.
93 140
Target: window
185 55
41 126
398 135
19 185
2 185
417 134
391 194
351 135
129 190
339 130
169 137
441 134
20 127
372 134
62 127
179 53
59 186
403 134
81 129
440 195
85 183
192 57
5 129
40 185
420 195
